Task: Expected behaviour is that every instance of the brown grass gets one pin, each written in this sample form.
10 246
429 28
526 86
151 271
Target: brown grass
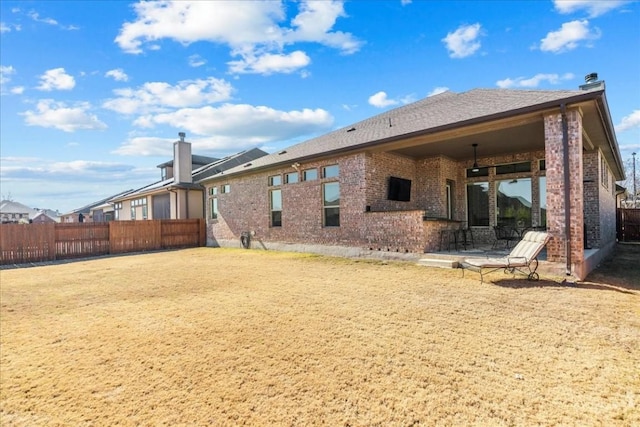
231 337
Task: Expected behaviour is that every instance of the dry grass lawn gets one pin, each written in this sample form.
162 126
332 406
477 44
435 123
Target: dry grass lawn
230 337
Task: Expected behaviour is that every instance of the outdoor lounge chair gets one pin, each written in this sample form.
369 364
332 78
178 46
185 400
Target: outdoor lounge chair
523 258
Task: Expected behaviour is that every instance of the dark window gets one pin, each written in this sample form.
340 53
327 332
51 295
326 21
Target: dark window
478 204
513 168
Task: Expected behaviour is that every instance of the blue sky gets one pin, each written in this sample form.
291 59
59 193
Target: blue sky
94 93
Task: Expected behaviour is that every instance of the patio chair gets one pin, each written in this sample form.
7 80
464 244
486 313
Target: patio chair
522 259
504 234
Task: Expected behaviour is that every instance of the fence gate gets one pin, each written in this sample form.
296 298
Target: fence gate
628 225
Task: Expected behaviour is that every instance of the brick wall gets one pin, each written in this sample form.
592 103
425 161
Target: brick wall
386 226
556 249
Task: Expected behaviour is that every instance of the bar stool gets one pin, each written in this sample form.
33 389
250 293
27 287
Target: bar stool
449 235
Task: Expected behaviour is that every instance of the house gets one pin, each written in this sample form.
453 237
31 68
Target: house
396 181
46 216
15 212
177 195
93 212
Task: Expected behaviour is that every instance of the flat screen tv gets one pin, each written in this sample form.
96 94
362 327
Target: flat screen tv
399 189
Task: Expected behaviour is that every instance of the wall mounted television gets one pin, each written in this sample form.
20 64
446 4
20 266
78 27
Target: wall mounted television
399 189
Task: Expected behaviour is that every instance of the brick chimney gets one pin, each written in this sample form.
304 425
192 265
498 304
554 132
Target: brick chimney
182 161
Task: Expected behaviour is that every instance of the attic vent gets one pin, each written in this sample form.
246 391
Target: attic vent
591 77
351 130
247 165
282 152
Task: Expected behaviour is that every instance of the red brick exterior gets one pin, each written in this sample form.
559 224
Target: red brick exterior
371 222
554 153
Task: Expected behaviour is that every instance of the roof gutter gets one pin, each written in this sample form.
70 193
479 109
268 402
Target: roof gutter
610 135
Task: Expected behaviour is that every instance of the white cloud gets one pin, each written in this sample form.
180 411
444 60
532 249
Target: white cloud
251 29
229 127
4 28
196 61
464 41
56 79
58 115
256 124
380 100
117 74
5 72
631 121
405 2
50 21
438 90
568 37
270 63
18 90
534 81
592 7
157 96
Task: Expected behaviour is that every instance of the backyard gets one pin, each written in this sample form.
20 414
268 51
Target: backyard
232 337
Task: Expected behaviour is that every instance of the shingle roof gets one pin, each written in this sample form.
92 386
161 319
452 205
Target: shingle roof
447 109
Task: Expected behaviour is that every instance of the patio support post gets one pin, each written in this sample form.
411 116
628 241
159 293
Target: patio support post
567 181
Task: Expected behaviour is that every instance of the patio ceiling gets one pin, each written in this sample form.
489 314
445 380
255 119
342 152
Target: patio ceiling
505 137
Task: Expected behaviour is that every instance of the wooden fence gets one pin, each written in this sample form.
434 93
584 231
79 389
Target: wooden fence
24 243
628 225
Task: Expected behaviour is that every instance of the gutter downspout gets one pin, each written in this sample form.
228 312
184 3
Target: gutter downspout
567 176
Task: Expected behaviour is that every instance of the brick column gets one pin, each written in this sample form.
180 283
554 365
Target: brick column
554 152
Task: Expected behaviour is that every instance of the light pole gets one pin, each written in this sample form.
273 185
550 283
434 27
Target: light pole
635 191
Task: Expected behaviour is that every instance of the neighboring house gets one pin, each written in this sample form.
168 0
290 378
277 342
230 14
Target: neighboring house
46 216
15 212
94 212
392 182
177 195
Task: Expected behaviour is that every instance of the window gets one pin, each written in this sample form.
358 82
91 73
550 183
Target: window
310 174
604 172
142 201
214 208
478 204
116 210
331 204
513 168
133 212
275 180
513 202
213 191
276 208
226 188
542 165
291 178
144 212
542 183
330 171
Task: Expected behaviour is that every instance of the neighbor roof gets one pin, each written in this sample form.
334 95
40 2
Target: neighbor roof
429 115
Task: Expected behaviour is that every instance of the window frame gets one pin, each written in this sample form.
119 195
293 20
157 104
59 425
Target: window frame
273 211
327 207
305 178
